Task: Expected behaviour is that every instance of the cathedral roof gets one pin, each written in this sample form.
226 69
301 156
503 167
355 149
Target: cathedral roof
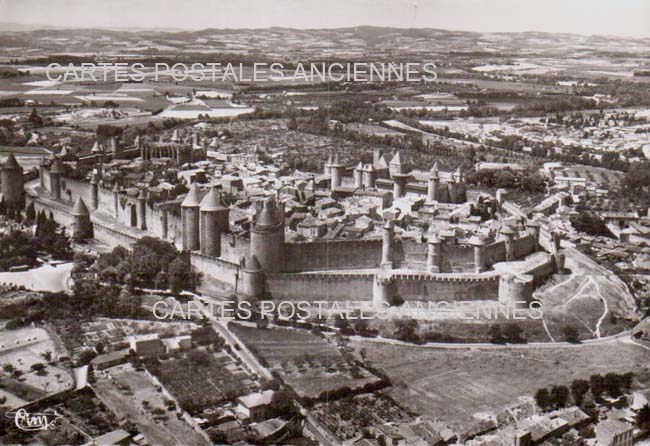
211 201
80 208
192 199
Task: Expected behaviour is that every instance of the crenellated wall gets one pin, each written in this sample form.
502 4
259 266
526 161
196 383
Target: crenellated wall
446 287
332 255
354 287
524 245
410 254
320 286
458 258
494 253
234 247
217 268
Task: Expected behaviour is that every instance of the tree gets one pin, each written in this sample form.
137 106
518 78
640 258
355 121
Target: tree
597 385
496 337
38 367
613 383
180 275
560 396
643 418
199 357
35 119
86 356
30 214
406 330
514 333
579 388
590 224
571 334
341 322
360 325
627 380
543 398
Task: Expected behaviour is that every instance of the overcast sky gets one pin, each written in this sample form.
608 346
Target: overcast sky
616 17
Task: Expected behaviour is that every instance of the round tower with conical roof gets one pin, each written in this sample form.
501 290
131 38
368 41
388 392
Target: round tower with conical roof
267 237
434 183
214 222
336 171
142 209
41 171
116 200
369 176
508 235
13 185
398 175
251 279
479 242
190 217
56 171
94 190
82 227
358 176
387 240
434 253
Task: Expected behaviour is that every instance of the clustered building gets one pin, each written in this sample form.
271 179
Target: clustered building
251 251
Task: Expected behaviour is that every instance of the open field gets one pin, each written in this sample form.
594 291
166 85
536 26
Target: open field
44 278
589 296
308 363
21 349
124 390
455 384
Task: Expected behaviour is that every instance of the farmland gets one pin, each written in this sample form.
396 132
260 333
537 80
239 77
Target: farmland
308 363
202 379
126 390
455 384
348 417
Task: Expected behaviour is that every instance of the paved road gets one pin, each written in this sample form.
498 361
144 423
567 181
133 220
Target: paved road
620 337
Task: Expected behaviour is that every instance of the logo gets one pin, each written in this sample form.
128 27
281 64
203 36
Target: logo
39 421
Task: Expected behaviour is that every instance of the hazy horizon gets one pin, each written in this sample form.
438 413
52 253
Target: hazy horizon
626 18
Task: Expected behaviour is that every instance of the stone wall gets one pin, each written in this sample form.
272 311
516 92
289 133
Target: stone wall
320 286
446 287
332 255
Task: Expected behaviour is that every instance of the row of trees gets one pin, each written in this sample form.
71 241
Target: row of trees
612 384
